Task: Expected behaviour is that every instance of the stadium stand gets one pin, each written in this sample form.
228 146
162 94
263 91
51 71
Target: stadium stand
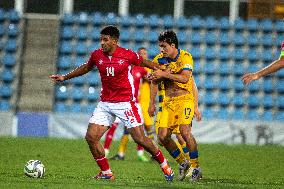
222 52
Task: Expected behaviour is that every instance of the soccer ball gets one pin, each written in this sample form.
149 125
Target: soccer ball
34 168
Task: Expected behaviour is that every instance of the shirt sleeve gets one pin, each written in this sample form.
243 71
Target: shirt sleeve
92 60
187 62
282 50
135 58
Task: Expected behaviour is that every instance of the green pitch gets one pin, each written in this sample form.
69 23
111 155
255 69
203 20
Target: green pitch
69 165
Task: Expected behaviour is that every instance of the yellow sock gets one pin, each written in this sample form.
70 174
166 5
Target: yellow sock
178 156
123 142
194 159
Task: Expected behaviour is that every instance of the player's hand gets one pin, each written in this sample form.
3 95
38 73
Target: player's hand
197 114
57 78
248 77
151 109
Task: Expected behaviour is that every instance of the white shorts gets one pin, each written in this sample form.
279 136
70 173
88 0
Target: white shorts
128 112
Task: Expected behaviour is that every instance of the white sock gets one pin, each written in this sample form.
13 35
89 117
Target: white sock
107 172
121 154
140 152
106 152
164 163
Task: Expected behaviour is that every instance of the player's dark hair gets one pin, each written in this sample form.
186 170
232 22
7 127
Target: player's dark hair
169 37
111 31
141 48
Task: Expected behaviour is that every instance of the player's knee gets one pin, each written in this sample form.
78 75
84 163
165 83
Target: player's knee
91 138
164 139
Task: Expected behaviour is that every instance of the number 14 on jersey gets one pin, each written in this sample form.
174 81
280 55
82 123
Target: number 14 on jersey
110 71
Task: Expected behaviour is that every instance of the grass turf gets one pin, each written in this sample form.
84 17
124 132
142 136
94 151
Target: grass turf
69 165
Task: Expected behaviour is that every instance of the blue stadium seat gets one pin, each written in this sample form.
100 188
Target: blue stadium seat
90 108
152 51
67 33
153 21
238 100
2 30
239 24
224 69
210 83
267 56
182 38
279 116
279 40
238 85
76 108
252 114
252 25
210 68
253 40
253 55
224 39
81 18
266 40
5 105
66 47
125 35
268 101
224 24
238 54
93 95
140 21
168 21
77 93
223 114
253 101
126 21
224 84
61 93
79 60
7 76
92 47
182 22
64 62
266 25
252 68
210 23
279 26
280 74
2 15
9 60
197 67
196 38
239 39
209 113
97 19
267 115
238 69
153 36
209 99
196 53
196 22
139 35
280 86
78 81
11 46
254 87
61 107
238 114
95 34
268 86
81 48
111 19
82 33
12 31
224 99
93 79
68 19
6 91
211 38
224 54
210 54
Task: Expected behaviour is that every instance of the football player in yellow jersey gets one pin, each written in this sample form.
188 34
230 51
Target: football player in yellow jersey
178 104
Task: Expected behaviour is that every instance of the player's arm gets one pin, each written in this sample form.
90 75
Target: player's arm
149 64
153 94
181 77
195 94
81 70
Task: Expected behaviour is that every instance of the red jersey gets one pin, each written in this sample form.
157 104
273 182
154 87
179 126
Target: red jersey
115 71
138 73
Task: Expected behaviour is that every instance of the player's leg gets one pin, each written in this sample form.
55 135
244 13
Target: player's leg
183 146
109 137
140 154
138 135
93 135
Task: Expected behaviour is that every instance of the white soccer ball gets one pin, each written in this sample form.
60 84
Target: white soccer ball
34 168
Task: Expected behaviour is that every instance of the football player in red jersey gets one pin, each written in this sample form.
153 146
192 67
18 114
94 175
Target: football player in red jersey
273 67
117 99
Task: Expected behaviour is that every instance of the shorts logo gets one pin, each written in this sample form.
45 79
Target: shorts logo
130 116
187 112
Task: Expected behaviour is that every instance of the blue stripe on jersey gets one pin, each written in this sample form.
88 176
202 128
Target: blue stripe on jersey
175 153
193 155
162 60
186 69
161 98
160 109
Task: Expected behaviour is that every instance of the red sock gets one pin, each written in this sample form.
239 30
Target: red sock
103 163
109 135
159 157
139 147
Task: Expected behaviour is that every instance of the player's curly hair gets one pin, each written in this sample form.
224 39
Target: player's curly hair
111 30
169 37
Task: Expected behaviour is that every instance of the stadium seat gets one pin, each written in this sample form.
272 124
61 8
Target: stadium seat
210 54
90 108
252 25
154 21
61 107
279 116
238 39
153 36
239 24
7 76
68 19
196 23
268 86
93 79
238 100
279 26
82 33
223 114
2 30
197 67
253 55
210 83
253 40
208 113
238 114
267 41
9 60
238 69
111 19
280 74
140 21
67 33
209 99
210 23
5 105
11 46
93 94
61 93
267 115
81 18
267 56
211 38
97 19
196 53
78 81
252 114
254 87
210 68
253 101
152 51
224 39
280 87
266 25
66 47
6 91
12 31
238 85
77 93
182 38
125 35
64 62
268 101
95 34
79 60
196 38
224 54
224 24
126 21
182 22
238 54
224 84
223 99
139 35
76 108
81 49
168 21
